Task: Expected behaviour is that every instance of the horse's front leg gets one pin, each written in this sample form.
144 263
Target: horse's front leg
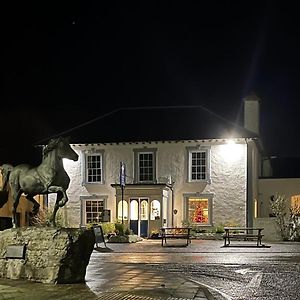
16 198
61 200
59 190
55 209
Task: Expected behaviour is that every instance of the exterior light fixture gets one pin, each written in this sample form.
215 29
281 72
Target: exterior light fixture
231 151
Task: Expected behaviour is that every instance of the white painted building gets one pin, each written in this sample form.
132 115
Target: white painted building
207 177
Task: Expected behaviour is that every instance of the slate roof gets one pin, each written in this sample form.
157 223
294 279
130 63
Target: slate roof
156 124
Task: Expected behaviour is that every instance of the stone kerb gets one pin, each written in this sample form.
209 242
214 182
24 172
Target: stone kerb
51 255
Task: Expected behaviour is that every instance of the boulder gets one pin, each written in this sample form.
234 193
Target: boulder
48 255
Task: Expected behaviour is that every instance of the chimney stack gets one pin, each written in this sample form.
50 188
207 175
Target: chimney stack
251 113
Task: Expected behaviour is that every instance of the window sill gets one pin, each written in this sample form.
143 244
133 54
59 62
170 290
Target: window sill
92 183
208 181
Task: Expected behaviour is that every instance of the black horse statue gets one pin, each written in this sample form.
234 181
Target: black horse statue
49 177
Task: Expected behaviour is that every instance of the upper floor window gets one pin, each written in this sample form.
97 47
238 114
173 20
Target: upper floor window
198 164
145 161
94 168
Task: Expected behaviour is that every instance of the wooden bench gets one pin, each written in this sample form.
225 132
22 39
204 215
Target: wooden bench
242 233
175 233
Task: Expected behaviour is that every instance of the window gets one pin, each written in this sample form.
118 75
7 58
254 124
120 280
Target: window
198 165
145 161
144 210
93 210
134 210
295 205
123 206
94 168
155 210
199 209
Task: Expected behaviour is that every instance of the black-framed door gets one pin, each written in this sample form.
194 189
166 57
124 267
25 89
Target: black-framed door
139 216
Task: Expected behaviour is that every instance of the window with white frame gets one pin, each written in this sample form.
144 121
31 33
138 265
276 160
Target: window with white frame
198 164
92 210
145 161
123 210
155 210
94 168
199 209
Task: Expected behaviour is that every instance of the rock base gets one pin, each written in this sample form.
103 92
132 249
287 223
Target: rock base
51 255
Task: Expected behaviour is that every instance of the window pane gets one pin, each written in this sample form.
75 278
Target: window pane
144 210
93 210
198 210
94 168
155 210
134 210
125 210
198 165
146 170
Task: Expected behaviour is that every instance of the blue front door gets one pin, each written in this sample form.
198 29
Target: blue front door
139 216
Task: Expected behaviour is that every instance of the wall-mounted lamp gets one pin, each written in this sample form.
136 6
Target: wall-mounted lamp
231 151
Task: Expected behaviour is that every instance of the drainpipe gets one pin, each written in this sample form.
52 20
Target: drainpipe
249 197
171 187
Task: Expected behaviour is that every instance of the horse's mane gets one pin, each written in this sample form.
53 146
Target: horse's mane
51 145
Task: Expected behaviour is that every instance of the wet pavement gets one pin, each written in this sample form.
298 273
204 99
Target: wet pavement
203 270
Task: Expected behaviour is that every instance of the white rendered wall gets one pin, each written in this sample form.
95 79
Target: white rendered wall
228 178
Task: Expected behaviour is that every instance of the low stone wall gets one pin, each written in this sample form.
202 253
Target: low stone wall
51 255
271 231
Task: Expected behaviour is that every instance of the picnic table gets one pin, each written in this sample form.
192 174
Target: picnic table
243 233
175 233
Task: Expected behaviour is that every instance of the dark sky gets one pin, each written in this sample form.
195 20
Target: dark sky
65 63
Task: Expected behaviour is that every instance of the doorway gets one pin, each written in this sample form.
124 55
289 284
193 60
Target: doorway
139 216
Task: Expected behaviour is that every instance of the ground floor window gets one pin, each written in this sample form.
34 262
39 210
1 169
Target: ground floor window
295 204
123 208
155 210
92 209
199 209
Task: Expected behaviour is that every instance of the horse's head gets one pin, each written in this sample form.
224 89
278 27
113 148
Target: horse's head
63 147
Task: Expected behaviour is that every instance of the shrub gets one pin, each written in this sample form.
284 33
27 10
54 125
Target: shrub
186 223
120 229
288 221
128 231
219 229
278 207
108 227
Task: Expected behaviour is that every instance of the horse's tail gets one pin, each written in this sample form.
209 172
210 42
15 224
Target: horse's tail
5 171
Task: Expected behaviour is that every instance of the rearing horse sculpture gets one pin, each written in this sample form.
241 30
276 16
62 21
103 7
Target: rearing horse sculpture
49 177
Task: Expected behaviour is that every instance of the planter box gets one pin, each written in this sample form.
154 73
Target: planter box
124 239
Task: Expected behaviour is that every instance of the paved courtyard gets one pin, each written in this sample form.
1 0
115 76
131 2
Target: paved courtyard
203 270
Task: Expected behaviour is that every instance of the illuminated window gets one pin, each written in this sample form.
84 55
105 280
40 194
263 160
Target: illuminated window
134 210
145 161
198 164
295 204
199 209
124 209
144 210
94 168
93 209
155 210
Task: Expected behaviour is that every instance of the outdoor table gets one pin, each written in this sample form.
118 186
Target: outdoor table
244 233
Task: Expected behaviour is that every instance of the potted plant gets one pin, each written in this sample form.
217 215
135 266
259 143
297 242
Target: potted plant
154 234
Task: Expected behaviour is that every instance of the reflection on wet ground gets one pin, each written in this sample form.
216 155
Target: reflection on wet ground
26 290
146 267
199 251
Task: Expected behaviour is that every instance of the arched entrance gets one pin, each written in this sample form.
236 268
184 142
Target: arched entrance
139 216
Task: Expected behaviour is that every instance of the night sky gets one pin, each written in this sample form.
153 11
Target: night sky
66 63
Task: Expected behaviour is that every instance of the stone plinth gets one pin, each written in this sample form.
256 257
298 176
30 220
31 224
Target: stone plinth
51 255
